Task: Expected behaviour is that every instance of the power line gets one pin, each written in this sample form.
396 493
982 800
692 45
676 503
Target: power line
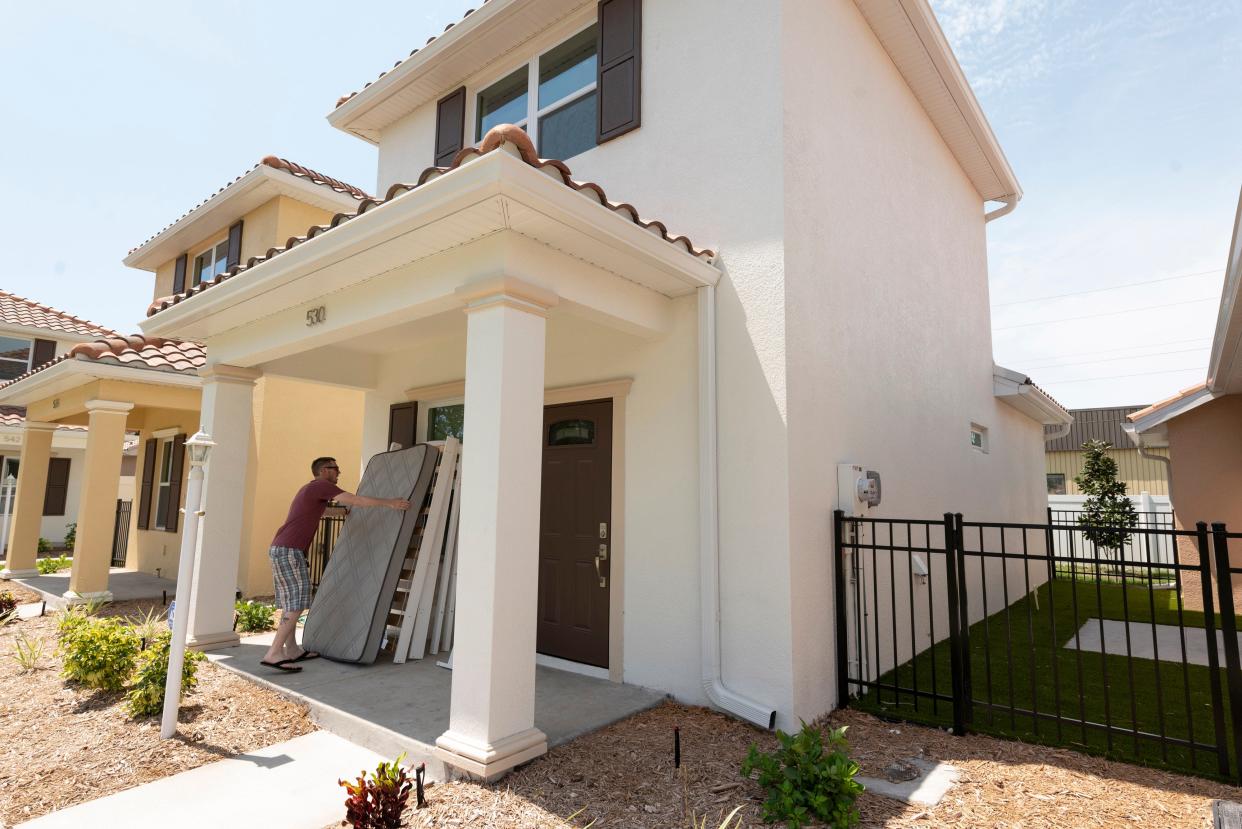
1129 357
1123 348
1108 313
1101 290
1121 376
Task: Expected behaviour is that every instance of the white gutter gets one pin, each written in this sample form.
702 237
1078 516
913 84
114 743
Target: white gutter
1010 202
1061 432
720 696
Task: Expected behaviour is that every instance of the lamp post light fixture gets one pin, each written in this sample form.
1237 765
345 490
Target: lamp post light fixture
199 448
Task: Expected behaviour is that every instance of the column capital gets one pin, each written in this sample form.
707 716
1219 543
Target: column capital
508 291
38 426
225 373
110 406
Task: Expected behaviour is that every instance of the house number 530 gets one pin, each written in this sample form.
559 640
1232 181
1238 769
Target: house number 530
315 316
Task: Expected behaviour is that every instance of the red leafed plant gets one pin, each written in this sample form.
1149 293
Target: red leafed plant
377 802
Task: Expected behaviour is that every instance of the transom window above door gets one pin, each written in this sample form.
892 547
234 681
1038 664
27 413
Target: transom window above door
211 262
552 97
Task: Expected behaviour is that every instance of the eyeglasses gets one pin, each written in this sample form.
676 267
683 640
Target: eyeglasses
337 468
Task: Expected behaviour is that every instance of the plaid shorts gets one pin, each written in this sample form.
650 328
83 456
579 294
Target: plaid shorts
292 578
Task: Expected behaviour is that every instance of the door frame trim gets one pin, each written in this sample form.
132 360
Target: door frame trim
616 390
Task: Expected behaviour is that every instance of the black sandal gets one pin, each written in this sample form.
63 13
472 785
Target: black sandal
282 665
305 655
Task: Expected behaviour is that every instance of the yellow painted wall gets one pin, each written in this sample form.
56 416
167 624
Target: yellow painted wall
267 226
152 549
296 422
1139 474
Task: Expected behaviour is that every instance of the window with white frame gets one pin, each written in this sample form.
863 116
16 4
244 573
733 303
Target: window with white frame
552 97
443 418
164 484
14 357
979 437
211 262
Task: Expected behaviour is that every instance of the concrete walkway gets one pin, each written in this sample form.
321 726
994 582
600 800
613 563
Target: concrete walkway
1143 645
125 585
291 785
392 708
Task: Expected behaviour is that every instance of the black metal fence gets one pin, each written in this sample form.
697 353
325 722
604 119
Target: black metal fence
120 532
325 539
998 628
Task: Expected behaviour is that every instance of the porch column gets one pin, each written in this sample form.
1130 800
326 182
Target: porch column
28 510
492 714
228 416
101 476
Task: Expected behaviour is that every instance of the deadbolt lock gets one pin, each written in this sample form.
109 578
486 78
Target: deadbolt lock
603 530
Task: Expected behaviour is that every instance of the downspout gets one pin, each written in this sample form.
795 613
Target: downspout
1009 202
709 529
1168 466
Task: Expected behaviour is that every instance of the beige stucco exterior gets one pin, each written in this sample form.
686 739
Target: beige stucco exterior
1205 445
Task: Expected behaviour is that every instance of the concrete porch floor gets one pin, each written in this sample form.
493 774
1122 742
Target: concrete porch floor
125 585
392 708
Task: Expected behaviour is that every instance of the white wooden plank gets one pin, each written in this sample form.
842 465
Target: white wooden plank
446 570
450 610
422 622
428 549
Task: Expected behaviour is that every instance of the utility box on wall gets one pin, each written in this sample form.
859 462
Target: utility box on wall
858 489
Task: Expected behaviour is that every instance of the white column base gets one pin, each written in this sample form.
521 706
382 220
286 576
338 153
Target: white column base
72 597
8 574
213 641
490 761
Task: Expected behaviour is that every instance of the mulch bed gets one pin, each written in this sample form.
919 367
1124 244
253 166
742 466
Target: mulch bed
61 744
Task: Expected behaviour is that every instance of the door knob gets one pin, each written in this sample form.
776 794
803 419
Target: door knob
603 580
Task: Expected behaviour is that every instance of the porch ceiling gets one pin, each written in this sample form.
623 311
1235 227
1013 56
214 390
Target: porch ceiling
495 214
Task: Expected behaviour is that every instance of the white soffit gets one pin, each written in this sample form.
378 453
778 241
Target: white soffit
214 216
490 32
1225 368
914 41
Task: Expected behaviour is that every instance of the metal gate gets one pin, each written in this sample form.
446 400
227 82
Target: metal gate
1043 633
120 532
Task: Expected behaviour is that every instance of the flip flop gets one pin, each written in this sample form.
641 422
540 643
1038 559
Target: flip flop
281 665
304 656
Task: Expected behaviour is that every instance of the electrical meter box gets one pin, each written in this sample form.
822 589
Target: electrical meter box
858 489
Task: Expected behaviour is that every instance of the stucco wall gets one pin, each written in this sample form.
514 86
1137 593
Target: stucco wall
890 357
1205 446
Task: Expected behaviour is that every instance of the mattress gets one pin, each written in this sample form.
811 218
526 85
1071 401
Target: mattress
347 617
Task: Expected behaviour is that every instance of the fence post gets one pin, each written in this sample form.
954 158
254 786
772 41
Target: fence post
968 685
955 622
1209 625
838 577
1228 626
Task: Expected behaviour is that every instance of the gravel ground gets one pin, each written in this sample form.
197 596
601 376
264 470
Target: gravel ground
61 744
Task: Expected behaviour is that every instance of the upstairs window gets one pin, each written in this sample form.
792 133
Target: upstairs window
211 262
552 97
14 357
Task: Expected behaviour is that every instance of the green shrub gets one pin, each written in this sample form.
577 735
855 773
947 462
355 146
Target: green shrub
145 697
377 802
28 651
149 626
99 653
8 602
71 536
807 781
47 566
44 546
254 617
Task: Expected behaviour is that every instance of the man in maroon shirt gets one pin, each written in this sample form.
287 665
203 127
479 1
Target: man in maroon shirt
288 556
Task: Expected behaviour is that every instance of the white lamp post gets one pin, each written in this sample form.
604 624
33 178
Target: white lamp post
198 447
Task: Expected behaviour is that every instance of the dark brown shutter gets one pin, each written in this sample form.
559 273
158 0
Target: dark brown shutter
179 274
619 68
450 126
44 352
234 244
174 482
402 420
148 482
57 490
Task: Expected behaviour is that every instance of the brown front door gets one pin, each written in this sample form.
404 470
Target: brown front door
575 532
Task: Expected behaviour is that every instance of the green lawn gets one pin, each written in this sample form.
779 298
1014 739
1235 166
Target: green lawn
1019 664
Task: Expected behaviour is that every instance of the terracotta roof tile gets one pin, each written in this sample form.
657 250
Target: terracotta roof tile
496 137
430 40
276 163
135 351
1168 401
12 415
16 310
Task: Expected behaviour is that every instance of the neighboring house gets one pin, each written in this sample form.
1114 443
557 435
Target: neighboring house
1066 457
829 167
32 334
149 389
1200 428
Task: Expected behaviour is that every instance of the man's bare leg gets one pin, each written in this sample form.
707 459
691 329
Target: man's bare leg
284 638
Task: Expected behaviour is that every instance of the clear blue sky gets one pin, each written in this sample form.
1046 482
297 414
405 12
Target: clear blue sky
1121 119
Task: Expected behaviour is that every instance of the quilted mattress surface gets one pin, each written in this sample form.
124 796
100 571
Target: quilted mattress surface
347 617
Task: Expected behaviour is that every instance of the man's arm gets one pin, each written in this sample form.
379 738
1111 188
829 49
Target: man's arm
351 500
